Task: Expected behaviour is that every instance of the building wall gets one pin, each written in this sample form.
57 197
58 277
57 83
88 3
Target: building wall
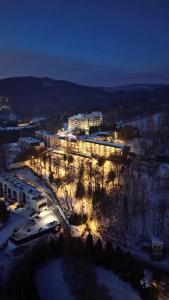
19 195
85 122
36 204
85 147
49 139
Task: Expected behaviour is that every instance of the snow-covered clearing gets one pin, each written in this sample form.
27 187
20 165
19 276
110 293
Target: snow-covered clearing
119 290
51 283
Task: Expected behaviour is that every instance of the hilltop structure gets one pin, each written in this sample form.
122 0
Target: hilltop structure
85 121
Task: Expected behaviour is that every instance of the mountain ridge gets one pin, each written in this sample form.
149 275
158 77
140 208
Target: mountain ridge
29 95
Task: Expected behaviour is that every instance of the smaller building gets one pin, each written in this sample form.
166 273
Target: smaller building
31 143
17 190
157 248
50 139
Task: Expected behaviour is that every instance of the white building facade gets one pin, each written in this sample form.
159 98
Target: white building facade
85 121
17 190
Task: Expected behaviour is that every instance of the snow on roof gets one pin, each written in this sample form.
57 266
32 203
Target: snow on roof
104 133
44 132
19 184
93 114
29 140
155 239
15 128
104 143
38 119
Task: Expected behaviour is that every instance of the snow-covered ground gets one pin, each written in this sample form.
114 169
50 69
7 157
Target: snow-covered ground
119 290
51 283
145 123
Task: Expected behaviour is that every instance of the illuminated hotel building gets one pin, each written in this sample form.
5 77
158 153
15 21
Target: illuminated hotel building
85 121
92 147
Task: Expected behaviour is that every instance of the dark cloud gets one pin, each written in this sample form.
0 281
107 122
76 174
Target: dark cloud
84 72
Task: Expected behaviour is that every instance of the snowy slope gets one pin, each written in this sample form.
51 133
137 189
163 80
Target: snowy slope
51 284
118 289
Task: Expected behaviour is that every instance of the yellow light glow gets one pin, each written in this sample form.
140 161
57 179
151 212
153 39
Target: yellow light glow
93 227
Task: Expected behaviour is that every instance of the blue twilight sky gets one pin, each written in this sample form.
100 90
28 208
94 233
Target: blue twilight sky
95 42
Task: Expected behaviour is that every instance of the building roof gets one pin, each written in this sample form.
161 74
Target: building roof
104 143
20 184
92 115
44 132
29 140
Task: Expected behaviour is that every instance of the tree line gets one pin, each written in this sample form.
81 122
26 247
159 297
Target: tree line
83 254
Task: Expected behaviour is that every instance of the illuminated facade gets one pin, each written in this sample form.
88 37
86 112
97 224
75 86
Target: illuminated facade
92 147
85 121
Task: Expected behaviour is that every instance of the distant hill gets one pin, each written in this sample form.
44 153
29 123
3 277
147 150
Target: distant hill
31 96
136 87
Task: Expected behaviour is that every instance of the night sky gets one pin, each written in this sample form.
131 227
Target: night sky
94 42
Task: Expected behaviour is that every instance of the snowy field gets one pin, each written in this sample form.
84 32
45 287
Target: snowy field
51 284
118 289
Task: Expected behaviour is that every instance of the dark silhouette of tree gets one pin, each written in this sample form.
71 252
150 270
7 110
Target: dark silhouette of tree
117 260
51 176
98 195
89 247
74 247
99 253
4 213
111 176
80 190
53 247
82 280
127 262
137 273
70 159
60 245
89 190
58 182
101 161
4 151
108 255
77 219
128 132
